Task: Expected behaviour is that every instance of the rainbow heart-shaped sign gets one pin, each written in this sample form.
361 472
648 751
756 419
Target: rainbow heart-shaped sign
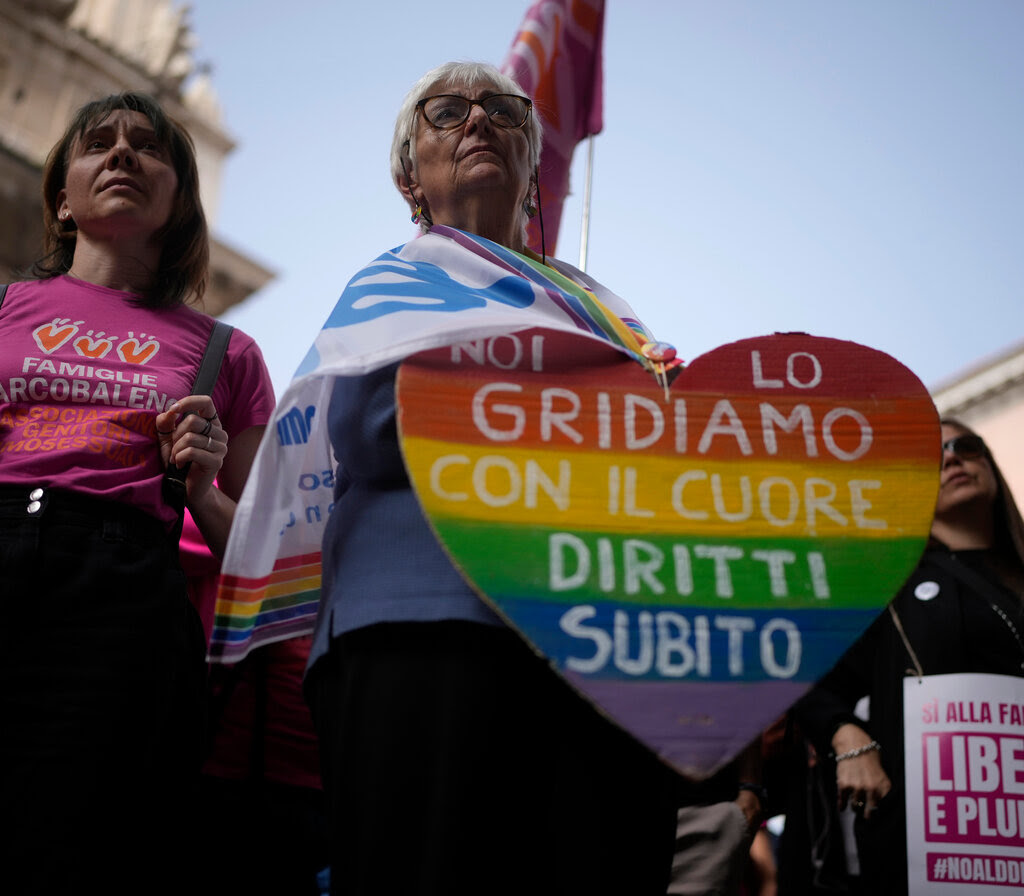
691 562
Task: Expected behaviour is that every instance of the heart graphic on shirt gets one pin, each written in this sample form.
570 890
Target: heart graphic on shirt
94 348
690 562
50 337
132 351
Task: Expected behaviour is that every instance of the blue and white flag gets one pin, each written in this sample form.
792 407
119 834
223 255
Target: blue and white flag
442 288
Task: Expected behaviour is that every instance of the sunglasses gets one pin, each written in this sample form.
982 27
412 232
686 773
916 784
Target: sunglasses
965 447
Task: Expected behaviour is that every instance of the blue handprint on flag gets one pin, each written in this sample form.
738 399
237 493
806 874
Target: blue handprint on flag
391 284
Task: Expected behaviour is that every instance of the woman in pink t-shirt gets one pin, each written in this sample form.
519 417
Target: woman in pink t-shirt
102 672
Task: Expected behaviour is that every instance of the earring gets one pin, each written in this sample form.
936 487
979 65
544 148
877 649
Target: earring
421 215
63 216
529 208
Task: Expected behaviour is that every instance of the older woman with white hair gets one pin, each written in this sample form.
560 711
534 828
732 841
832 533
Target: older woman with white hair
455 759
478 179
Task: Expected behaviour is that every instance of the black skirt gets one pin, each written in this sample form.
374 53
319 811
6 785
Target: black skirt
457 762
102 684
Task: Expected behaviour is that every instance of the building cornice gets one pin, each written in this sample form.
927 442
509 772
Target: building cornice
985 382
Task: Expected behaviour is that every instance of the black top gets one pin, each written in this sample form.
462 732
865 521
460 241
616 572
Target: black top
952 626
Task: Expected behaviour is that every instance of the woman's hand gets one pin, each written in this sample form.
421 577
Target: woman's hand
189 433
860 780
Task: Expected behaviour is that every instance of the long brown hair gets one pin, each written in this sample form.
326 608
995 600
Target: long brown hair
1008 526
185 256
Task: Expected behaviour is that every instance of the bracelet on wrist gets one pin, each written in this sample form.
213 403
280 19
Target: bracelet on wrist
859 751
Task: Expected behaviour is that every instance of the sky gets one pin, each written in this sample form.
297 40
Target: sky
845 168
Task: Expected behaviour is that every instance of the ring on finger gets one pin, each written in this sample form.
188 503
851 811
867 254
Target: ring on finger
206 429
209 442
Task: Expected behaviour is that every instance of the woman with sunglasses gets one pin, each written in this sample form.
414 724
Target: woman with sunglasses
944 620
455 760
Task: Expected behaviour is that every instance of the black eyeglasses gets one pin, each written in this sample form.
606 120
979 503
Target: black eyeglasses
445 111
966 447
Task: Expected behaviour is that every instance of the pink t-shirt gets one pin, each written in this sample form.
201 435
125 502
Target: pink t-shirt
83 374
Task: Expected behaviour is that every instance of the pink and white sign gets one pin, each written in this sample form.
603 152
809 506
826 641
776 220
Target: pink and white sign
964 755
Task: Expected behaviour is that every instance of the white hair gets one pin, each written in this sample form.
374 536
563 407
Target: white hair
446 77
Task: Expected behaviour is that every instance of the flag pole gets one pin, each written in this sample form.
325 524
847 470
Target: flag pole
585 225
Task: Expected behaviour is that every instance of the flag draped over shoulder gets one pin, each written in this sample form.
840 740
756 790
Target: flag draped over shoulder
442 288
556 57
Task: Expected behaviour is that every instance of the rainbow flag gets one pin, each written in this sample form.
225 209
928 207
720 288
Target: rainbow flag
556 57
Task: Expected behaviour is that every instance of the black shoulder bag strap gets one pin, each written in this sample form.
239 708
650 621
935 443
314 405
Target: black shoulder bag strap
3 292
209 367
206 379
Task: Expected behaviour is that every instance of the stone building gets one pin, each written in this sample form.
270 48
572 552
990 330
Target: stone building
56 55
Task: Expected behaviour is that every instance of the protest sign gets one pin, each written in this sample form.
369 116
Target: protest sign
964 760
693 560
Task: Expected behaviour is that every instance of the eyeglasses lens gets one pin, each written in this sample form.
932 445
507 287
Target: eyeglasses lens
449 111
506 110
965 447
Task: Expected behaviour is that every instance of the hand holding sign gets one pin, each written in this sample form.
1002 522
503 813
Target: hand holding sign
690 563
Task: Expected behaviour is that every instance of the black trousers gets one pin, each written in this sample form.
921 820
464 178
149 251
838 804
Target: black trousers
102 678
457 762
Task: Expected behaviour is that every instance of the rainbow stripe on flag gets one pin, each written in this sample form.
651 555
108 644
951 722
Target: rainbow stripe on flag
280 603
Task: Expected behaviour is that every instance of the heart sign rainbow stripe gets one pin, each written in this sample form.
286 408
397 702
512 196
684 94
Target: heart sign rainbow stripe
691 562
